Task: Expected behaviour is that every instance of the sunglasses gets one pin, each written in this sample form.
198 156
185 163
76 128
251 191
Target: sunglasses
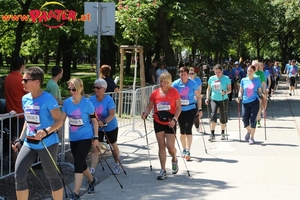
98 88
72 89
28 79
191 73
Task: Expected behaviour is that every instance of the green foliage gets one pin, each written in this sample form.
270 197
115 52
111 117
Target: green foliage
134 17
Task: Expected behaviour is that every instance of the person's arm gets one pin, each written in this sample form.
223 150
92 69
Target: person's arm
208 91
19 142
147 110
240 94
56 115
177 113
95 129
12 112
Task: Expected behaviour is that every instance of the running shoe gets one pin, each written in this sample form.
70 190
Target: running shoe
251 141
92 170
258 124
74 196
223 137
91 188
175 167
116 169
290 94
211 138
183 153
162 175
188 155
247 136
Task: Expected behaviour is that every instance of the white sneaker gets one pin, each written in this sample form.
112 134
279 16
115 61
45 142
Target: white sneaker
92 170
117 169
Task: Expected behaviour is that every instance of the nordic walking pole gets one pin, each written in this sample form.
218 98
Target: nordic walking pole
181 152
203 136
113 151
55 165
110 169
39 180
239 115
147 145
225 115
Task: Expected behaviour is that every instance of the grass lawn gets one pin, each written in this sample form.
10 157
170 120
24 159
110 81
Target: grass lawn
82 71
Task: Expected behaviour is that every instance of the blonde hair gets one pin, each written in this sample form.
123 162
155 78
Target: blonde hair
78 84
166 76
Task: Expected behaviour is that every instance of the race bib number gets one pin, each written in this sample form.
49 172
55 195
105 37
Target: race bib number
217 85
32 118
163 106
75 122
184 102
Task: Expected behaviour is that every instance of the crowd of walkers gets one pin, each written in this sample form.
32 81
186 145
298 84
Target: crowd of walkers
252 83
92 120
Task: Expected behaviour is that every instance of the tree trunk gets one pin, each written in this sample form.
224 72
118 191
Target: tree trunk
19 30
59 50
67 53
1 59
164 37
108 54
128 63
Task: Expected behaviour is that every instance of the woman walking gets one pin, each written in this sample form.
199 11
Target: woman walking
250 93
105 111
190 96
166 103
192 76
83 127
42 119
218 88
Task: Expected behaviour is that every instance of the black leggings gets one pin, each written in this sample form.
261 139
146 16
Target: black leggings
222 105
185 121
24 161
80 150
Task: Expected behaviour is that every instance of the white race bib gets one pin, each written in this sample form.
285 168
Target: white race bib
163 106
184 102
75 122
217 86
33 118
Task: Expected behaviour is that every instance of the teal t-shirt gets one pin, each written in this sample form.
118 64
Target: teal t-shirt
250 88
217 85
53 88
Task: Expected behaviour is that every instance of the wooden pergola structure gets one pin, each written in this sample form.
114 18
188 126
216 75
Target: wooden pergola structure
140 51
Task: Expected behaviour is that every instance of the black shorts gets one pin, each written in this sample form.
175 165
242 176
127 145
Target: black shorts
292 81
166 128
112 136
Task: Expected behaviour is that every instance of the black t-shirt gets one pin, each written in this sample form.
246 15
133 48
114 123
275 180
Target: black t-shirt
111 86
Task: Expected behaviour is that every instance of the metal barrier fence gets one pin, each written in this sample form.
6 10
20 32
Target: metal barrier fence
129 106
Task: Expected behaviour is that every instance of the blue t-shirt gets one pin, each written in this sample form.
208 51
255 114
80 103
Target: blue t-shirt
80 125
277 71
250 88
293 71
217 85
267 74
187 93
102 109
198 81
37 112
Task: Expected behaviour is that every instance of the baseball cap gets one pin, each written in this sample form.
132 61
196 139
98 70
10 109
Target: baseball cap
236 62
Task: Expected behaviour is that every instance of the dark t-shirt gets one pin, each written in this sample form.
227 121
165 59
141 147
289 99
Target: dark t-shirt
111 86
152 72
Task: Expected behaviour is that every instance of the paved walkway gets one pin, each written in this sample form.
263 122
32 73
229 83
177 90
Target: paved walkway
229 170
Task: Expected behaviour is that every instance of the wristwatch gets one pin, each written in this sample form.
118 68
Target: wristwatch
200 109
174 119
